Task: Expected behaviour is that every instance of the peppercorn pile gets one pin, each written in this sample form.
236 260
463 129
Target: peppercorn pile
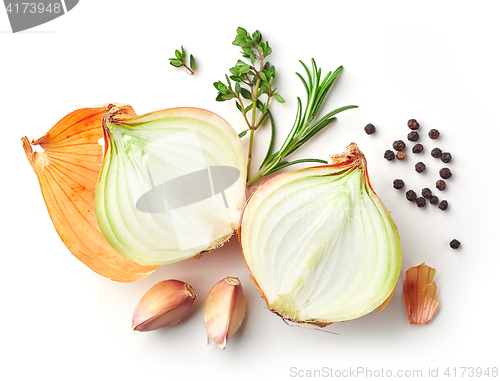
399 152
445 173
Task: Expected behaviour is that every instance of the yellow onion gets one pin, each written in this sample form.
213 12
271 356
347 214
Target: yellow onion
172 184
67 171
320 245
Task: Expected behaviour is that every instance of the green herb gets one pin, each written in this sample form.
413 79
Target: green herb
180 61
250 84
303 128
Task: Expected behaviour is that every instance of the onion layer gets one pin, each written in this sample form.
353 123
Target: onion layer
419 291
320 244
172 184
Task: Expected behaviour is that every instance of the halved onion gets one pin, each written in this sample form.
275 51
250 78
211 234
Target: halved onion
172 184
319 243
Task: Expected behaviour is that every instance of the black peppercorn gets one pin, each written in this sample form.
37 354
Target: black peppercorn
401 155
443 205
369 128
420 167
433 134
398 184
436 152
399 145
411 195
441 185
455 244
413 124
433 199
420 202
445 173
446 157
413 136
389 155
417 148
426 192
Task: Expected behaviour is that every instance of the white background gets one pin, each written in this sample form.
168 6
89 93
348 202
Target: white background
436 61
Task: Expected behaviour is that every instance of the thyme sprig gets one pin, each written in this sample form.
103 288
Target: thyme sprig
180 61
250 84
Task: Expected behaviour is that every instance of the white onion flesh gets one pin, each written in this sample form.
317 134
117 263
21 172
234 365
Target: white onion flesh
143 211
320 244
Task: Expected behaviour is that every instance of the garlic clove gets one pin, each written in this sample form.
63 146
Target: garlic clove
224 310
163 305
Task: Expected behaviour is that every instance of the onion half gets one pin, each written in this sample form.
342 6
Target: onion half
320 244
172 184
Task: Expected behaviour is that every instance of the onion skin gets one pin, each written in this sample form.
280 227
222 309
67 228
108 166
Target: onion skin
419 291
351 159
67 171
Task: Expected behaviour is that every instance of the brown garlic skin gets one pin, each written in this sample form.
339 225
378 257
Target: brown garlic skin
163 305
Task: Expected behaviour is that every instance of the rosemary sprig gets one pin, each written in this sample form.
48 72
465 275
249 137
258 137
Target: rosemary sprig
180 61
252 89
303 128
